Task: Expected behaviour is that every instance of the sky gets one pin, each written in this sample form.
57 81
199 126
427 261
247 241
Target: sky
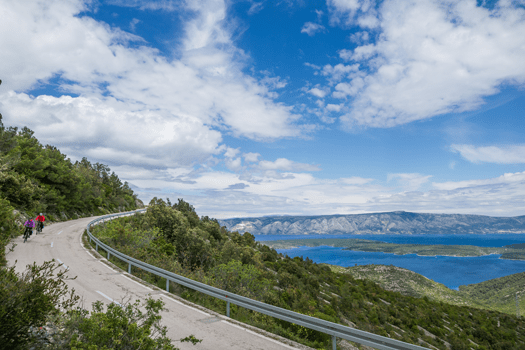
250 108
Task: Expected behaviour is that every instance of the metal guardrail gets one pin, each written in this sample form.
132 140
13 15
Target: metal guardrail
333 329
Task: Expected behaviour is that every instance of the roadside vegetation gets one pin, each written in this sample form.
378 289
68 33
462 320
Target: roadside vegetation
37 310
40 179
174 238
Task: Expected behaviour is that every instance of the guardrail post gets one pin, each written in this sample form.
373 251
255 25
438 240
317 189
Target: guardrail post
227 308
96 246
334 342
108 255
129 268
167 285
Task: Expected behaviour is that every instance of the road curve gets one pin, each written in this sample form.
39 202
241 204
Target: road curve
97 279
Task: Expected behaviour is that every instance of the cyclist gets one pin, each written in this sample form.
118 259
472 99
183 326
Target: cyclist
40 222
29 224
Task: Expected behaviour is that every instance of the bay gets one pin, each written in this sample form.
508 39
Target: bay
450 271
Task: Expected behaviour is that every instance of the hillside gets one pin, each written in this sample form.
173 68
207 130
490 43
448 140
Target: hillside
496 294
173 237
499 293
398 222
40 179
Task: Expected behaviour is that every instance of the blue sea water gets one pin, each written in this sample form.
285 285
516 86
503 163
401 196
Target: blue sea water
451 271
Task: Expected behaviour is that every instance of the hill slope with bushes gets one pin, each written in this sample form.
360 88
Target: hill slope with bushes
174 238
497 294
40 179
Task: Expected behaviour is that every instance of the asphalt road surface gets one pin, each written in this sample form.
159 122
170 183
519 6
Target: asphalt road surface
99 280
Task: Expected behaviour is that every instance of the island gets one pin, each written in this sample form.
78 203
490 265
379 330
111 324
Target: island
512 252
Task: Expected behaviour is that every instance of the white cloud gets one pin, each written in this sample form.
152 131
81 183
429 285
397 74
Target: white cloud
311 65
231 152
339 71
333 108
303 194
251 157
509 179
511 154
284 164
318 92
342 90
136 107
90 58
311 28
359 37
355 180
431 57
409 182
168 5
112 131
340 8
133 24
346 12
256 7
234 164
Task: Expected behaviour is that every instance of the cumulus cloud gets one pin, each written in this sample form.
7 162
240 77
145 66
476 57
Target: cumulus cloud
431 57
318 92
231 152
511 154
112 131
311 28
348 12
333 108
234 164
251 157
360 37
338 72
129 92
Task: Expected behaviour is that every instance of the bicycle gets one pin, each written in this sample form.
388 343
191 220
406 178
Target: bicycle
27 233
39 225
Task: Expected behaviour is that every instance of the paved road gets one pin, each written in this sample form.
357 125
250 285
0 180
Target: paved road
98 280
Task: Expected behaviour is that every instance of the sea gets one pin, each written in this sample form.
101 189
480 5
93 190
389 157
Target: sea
448 270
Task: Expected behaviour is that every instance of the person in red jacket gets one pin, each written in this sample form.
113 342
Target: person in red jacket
40 222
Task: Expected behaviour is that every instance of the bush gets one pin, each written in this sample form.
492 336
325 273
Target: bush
36 311
29 300
120 327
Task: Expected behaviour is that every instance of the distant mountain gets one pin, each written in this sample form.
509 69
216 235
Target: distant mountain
398 222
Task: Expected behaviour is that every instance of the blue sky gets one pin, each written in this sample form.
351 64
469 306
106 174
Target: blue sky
250 108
